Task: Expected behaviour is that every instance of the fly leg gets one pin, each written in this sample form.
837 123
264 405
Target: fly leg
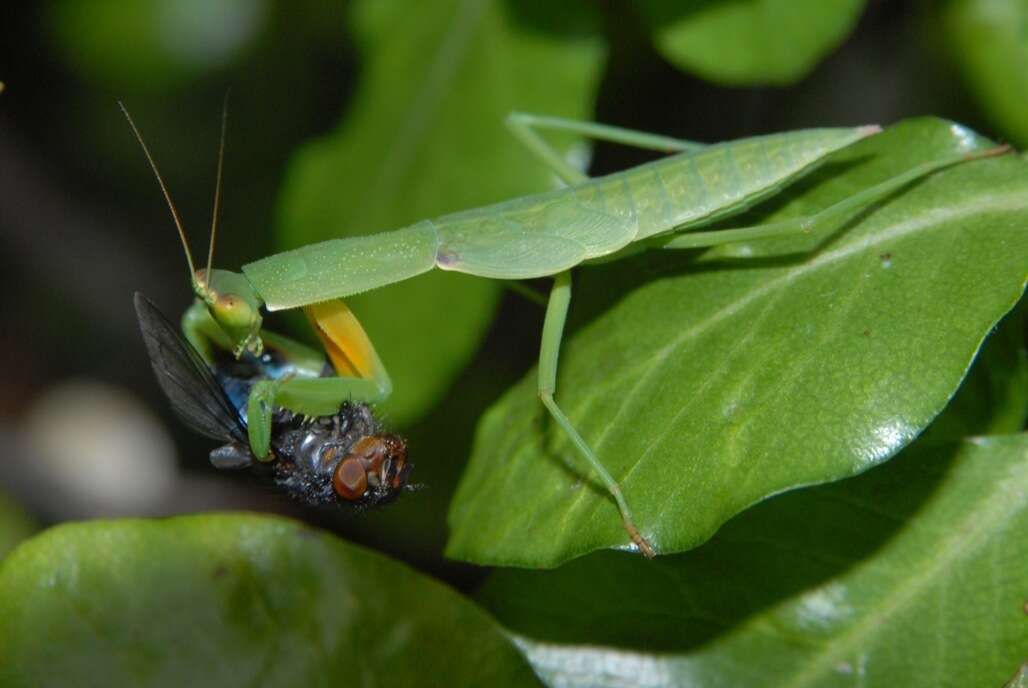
553 331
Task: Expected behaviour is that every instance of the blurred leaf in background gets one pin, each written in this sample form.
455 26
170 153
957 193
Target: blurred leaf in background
989 45
749 42
425 136
159 44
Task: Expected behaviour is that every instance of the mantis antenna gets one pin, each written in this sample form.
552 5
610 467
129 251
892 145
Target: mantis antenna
217 187
167 196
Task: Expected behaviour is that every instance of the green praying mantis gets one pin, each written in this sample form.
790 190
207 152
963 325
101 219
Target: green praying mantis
663 204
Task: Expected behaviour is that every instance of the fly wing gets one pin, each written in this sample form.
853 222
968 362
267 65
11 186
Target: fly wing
195 395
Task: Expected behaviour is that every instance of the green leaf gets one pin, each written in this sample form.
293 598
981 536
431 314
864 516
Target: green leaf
989 43
910 575
233 600
708 381
425 136
152 45
993 399
749 42
1020 679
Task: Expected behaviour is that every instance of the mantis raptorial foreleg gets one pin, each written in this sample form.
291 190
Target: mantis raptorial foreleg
201 330
361 376
549 352
524 128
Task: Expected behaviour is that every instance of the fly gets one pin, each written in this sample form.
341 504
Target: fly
333 459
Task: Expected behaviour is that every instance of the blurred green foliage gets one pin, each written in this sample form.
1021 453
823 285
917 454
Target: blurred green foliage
989 43
356 117
749 43
160 45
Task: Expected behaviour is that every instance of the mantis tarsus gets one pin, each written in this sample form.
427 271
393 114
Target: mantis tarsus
655 205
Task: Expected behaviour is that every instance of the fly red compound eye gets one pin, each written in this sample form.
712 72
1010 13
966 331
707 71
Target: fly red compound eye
350 480
383 457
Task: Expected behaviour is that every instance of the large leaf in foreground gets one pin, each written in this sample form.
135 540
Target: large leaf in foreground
749 41
910 575
230 600
425 136
709 381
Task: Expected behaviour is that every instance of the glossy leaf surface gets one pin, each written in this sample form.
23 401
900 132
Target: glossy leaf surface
707 381
909 575
233 600
425 136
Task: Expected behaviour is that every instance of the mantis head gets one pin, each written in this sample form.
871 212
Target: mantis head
234 306
230 299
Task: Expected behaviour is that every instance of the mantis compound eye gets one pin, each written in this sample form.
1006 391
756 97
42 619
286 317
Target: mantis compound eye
232 311
350 480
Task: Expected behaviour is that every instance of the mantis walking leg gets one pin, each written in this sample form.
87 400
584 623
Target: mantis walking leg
799 225
524 127
553 330
527 292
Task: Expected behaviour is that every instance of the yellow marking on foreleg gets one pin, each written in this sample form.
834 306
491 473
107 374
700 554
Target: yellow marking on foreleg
347 344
